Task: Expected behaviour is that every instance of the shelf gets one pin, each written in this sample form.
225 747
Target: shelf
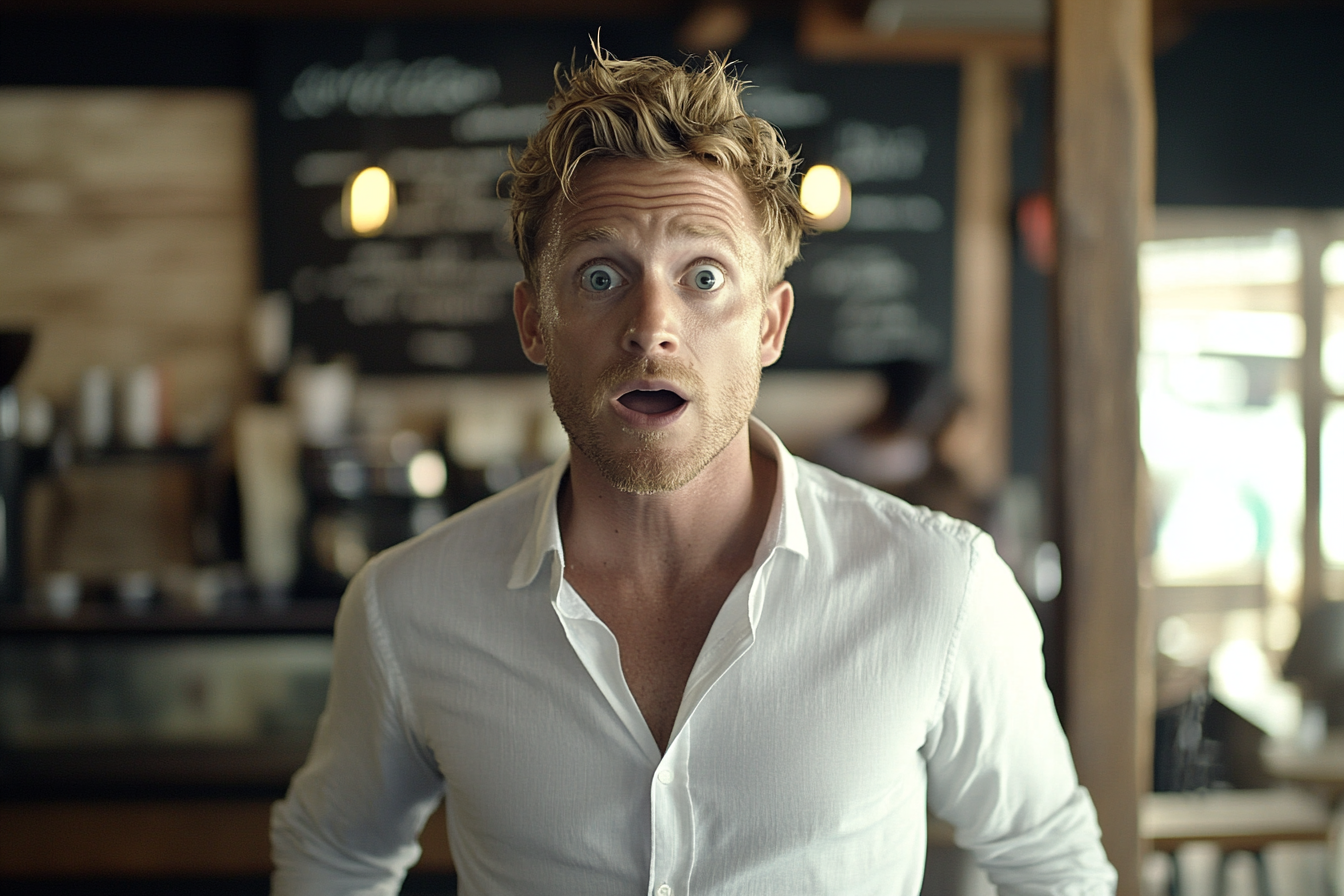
310 616
260 769
154 840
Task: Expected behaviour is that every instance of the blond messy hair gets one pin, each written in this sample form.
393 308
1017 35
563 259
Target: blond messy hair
652 109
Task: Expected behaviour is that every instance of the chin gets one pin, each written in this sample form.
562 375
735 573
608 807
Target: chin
652 468
647 470
649 482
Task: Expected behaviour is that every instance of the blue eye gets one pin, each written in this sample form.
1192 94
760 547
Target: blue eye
600 278
707 277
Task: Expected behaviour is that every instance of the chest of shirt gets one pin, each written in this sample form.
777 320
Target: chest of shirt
815 720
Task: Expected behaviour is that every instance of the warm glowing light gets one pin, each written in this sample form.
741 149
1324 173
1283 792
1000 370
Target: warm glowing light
825 196
428 474
369 202
821 190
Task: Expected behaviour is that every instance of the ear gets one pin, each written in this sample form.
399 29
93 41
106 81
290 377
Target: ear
775 321
528 316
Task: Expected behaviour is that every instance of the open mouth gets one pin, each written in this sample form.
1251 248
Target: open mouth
658 401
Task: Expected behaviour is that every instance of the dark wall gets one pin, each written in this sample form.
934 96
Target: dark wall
127 51
1250 111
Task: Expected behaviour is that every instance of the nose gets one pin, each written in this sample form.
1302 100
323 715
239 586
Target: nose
654 327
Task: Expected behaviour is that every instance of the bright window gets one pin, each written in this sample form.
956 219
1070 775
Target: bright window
1226 318
1220 411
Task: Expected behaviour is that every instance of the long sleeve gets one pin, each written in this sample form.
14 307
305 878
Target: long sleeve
350 821
998 763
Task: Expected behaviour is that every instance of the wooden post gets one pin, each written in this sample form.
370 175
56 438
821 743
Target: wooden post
983 287
1103 131
1314 231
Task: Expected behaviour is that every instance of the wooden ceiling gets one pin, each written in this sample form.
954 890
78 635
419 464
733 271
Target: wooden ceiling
542 9
827 28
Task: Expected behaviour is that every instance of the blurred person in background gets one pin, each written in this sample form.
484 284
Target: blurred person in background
902 448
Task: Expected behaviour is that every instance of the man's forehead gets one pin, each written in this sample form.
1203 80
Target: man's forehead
611 197
613 232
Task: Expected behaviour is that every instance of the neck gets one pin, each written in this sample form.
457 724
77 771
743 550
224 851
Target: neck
714 521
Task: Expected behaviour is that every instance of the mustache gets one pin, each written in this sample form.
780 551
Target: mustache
678 373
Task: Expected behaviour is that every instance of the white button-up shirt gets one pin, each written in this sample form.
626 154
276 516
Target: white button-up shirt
877 659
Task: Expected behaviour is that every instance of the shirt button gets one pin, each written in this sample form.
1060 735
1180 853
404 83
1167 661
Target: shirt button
664 777
664 890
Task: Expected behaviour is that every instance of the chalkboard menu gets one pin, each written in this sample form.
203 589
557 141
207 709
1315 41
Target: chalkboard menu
881 288
439 105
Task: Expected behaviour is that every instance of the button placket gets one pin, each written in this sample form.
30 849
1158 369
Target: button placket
673 826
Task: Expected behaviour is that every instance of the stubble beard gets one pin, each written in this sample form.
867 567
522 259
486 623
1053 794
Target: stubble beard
644 464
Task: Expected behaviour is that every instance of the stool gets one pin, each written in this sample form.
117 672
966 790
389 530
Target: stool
1233 820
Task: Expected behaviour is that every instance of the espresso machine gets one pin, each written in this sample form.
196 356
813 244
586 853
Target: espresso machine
14 346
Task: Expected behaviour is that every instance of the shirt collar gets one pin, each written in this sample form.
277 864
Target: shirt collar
543 535
784 529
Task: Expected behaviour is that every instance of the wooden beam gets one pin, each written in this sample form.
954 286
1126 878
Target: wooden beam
827 32
1103 132
982 292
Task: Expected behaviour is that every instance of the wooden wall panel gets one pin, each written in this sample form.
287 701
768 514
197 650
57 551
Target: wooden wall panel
125 152
127 236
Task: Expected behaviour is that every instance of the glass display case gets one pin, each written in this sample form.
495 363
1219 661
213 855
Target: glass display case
167 704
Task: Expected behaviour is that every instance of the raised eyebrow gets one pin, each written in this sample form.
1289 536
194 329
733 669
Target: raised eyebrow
602 234
705 231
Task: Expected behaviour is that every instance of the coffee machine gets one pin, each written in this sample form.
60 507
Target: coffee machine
14 346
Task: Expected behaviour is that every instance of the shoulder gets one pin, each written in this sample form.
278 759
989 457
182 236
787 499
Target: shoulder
844 510
474 547
877 566
886 561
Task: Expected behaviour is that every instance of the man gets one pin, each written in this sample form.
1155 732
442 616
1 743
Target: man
680 661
